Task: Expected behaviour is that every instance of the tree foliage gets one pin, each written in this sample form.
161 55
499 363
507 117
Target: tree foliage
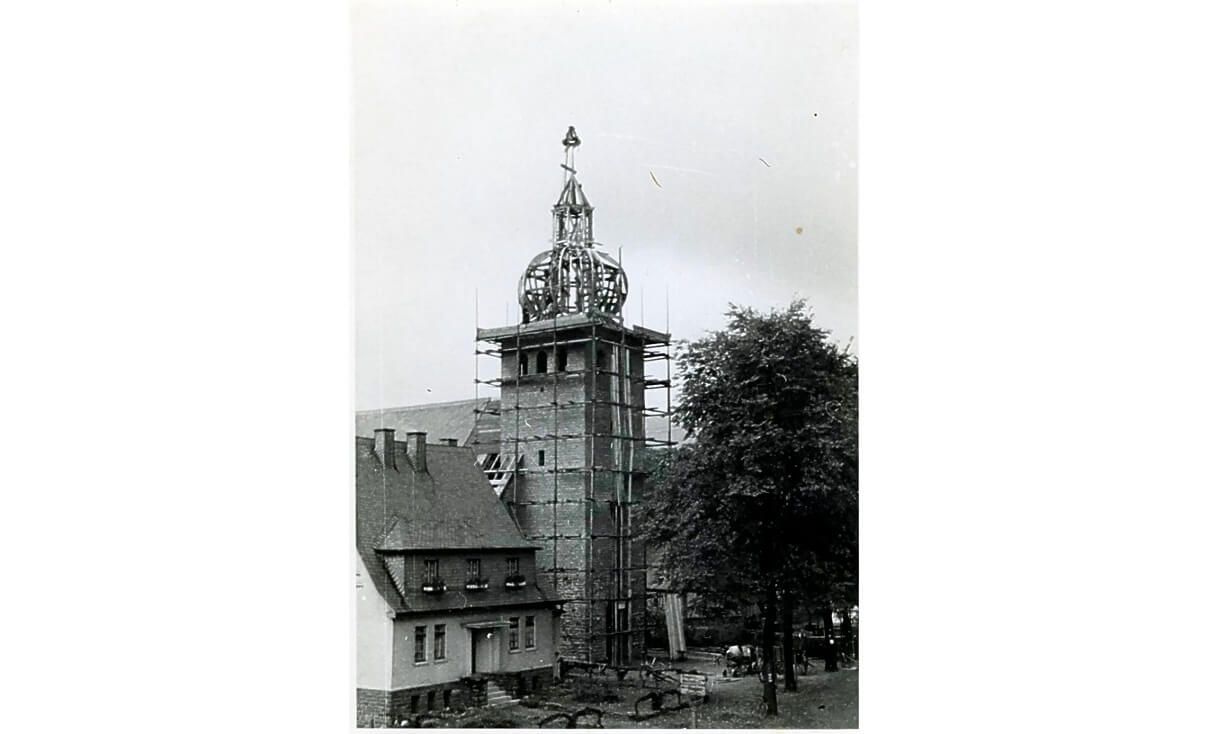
762 497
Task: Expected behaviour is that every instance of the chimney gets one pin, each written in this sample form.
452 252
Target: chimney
384 445
416 452
450 441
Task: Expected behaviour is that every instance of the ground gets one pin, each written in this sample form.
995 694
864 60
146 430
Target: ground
823 701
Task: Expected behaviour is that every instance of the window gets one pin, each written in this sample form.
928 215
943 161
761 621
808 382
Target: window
445 698
432 570
432 700
524 364
439 642
513 565
561 359
415 704
531 637
541 457
472 569
420 635
514 627
542 362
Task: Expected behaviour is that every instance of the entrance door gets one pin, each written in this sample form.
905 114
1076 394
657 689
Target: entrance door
484 646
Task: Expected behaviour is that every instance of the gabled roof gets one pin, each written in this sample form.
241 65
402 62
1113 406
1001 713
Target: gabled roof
449 507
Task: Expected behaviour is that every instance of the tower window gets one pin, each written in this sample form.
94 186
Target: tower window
561 359
542 362
541 457
524 364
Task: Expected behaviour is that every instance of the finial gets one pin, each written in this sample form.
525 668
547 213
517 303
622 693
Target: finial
571 140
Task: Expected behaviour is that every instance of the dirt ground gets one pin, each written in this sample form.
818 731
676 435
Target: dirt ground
823 701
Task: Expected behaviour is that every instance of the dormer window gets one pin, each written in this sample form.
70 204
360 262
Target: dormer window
475 580
431 582
513 579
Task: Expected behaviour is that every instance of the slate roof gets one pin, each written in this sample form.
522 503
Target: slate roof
455 419
450 507
458 419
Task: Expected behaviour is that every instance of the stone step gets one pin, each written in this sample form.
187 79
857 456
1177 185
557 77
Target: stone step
501 704
497 696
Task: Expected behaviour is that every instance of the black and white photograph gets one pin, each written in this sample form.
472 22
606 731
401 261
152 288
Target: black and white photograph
606 365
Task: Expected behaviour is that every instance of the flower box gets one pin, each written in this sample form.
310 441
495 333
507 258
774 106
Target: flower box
476 585
514 582
437 586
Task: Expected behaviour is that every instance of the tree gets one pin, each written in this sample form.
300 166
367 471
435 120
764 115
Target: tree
760 503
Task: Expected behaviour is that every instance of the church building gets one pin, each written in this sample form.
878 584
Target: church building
563 443
572 429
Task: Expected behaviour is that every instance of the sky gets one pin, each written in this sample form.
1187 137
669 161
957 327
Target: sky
719 150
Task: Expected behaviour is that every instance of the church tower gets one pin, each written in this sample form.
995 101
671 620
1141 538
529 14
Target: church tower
572 428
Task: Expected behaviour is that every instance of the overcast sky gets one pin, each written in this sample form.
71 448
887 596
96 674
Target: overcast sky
459 110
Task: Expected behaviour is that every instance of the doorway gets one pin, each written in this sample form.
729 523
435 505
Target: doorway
485 651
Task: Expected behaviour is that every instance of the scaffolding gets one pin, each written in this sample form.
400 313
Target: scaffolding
604 404
571 299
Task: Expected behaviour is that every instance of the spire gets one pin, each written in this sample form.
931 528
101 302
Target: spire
572 212
573 195
573 276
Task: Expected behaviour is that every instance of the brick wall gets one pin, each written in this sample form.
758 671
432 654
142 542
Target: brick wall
377 708
382 708
588 564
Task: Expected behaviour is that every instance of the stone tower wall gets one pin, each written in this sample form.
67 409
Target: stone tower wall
579 565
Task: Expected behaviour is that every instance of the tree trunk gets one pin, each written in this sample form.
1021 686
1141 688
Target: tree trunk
768 646
787 641
846 626
830 655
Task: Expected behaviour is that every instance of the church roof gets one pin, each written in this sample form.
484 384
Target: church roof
455 419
